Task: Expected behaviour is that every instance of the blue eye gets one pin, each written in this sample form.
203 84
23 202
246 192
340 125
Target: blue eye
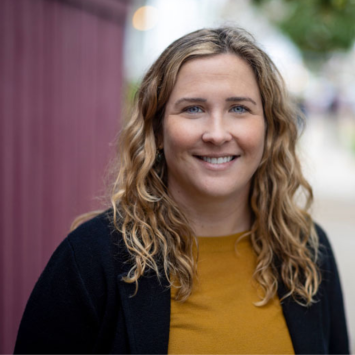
193 109
239 109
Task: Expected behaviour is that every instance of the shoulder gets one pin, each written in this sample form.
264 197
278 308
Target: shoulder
326 254
97 246
98 233
94 231
323 238
327 263
75 295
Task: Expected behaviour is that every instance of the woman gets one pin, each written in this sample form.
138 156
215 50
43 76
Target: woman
204 249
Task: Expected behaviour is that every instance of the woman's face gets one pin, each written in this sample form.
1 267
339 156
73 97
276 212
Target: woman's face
213 129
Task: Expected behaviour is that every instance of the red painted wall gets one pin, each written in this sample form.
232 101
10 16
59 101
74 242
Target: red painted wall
60 94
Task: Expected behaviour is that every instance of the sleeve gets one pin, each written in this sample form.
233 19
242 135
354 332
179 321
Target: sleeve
338 333
59 316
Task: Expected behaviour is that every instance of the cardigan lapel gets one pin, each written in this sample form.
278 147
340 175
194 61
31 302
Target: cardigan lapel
147 314
304 325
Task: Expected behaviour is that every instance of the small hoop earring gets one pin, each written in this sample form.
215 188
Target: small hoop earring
159 155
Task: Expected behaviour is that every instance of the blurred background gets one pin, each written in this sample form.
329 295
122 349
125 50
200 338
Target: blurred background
68 72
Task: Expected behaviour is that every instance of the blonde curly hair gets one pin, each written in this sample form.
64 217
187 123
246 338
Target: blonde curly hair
156 231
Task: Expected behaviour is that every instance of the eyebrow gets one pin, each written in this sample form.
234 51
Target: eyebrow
240 98
200 99
190 99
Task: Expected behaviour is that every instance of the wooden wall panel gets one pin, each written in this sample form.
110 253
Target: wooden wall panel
60 92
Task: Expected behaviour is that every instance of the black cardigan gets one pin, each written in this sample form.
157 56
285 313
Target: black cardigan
80 304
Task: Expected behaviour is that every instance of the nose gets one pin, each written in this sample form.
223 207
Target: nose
216 131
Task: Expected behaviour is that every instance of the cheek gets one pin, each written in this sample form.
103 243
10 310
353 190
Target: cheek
177 136
253 139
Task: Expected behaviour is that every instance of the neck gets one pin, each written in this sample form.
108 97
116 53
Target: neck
211 217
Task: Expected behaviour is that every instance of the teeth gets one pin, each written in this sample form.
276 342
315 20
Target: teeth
218 160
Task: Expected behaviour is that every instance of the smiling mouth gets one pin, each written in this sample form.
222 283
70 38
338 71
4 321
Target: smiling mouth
219 160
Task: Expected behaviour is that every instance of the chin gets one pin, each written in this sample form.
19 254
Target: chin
223 190
219 193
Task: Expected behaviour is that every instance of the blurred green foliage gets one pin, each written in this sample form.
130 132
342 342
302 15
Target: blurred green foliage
315 26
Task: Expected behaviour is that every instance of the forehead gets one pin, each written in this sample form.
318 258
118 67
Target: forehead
216 61
218 74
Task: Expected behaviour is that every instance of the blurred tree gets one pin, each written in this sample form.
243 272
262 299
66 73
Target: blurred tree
315 26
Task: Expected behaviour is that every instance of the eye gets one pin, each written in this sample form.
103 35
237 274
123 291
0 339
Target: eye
193 109
239 109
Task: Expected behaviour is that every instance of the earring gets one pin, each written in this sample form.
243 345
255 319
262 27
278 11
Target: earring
159 155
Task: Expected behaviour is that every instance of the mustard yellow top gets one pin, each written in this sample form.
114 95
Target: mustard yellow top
219 317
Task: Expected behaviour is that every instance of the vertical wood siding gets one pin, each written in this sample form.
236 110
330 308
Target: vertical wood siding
60 93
